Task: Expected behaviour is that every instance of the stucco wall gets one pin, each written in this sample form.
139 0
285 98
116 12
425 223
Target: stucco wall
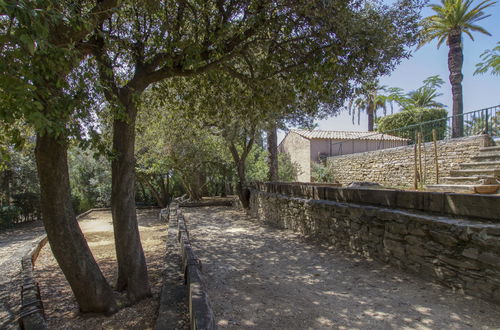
299 150
395 167
460 253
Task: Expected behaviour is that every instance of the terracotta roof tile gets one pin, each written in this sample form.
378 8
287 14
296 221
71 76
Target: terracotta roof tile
345 135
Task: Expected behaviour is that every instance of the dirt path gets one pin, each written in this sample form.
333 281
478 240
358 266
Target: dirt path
60 306
264 278
14 244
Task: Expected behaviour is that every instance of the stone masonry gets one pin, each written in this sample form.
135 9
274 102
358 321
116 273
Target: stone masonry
461 253
395 167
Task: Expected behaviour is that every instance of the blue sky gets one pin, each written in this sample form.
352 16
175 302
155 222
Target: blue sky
480 91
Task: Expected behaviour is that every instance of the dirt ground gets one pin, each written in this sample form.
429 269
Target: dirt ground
60 306
264 278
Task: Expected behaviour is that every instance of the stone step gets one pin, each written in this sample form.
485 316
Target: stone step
475 179
490 149
465 188
486 157
485 164
478 172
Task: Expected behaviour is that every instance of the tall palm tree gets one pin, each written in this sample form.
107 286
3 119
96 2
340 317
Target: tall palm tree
368 98
451 19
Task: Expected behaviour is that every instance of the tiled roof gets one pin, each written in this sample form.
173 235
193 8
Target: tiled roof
345 135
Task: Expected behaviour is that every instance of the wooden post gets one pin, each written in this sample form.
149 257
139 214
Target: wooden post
420 157
434 138
415 183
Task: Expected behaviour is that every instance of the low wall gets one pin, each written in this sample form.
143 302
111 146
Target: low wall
463 254
395 167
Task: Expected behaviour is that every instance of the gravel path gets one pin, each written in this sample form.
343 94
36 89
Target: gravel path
264 278
14 244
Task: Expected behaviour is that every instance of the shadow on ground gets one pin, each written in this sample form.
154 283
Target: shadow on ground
264 278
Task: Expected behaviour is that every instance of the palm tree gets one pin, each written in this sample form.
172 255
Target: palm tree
451 18
425 96
368 98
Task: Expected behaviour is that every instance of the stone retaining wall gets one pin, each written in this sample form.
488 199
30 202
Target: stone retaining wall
201 315
395 167
463 254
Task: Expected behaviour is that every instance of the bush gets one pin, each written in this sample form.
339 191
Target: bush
413 116
9 215
321 173
287 170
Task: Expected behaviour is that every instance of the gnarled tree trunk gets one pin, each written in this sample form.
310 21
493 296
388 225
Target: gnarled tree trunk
91 290
272 148
132 269
455 62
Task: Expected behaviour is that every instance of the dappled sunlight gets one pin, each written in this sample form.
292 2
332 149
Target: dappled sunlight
260 277
60 306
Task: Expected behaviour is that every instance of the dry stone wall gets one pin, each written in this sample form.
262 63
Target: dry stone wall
462 253
395 167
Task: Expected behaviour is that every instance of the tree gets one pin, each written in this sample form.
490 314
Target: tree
491 61
417 106
423 97
43 50
451 19
368 98
149 42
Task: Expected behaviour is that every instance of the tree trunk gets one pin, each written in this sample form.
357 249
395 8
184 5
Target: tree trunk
241 189
272 148
455 62
158 196
132 269
91 290
370 112
164 190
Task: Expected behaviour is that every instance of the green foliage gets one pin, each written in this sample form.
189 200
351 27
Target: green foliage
413 116
288 171
454 16
9 215
481 125
90 178
257 167
490 61
321 173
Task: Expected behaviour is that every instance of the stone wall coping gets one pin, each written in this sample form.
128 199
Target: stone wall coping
31 315
425 144
201 314
478 206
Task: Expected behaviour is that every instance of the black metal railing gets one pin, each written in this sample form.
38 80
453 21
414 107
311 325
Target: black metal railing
484 121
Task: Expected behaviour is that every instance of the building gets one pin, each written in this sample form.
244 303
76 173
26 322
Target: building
305 146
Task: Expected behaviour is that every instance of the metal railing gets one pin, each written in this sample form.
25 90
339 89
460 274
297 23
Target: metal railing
483 121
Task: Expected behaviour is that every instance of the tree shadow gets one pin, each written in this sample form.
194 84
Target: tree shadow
262 277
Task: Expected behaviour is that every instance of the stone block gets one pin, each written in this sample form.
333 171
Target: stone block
417 250
395 247
459 262
471 253
490 258
444 238
397 228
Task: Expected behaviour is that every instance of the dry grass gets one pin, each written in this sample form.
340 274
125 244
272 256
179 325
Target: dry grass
60 306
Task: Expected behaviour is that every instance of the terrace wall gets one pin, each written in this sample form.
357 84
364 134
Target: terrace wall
395 167
439 236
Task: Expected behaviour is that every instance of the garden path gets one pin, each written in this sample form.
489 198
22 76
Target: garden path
264 278
14 244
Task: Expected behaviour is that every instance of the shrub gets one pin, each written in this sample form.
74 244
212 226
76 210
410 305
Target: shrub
321 173
392 124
